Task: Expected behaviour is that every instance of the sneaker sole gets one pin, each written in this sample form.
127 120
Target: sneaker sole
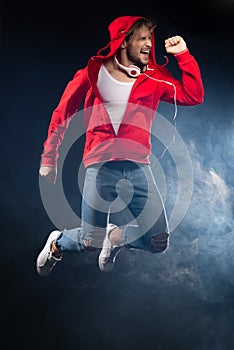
41 265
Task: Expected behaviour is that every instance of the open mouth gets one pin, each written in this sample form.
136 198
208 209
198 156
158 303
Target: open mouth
145 54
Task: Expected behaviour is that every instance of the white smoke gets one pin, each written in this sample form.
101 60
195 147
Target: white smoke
200 256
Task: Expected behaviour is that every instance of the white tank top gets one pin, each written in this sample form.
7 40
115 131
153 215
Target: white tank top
115 95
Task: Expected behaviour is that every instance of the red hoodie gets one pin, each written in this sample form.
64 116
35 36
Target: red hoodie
133 141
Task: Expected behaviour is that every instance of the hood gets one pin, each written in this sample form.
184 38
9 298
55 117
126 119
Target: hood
118 30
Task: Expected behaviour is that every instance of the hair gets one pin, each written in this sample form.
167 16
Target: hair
147 22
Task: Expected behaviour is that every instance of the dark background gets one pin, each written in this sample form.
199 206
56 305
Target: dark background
180 300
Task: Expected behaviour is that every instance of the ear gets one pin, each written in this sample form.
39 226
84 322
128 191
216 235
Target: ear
124 44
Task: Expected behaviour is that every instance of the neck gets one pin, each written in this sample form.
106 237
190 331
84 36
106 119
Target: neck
132 70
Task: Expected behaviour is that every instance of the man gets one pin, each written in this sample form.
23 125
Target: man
121 92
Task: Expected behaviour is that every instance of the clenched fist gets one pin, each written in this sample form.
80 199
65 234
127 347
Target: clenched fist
175 45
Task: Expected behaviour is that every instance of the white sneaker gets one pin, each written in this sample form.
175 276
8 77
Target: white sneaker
108 253
45 260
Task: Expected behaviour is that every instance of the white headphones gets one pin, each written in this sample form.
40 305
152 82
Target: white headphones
132 71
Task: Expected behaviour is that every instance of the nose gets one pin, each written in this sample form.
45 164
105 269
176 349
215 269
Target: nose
148 43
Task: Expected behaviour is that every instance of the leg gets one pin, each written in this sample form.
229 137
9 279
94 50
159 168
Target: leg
144 217
150 230
87 237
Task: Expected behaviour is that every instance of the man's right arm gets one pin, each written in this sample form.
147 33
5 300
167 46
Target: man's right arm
69 104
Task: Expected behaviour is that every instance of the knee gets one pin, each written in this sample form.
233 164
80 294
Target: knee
159 242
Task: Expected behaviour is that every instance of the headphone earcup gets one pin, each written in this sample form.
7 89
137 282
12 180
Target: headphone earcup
133 71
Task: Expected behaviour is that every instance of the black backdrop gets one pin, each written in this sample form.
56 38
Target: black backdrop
182 300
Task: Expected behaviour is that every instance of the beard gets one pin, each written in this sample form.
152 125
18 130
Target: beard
135 59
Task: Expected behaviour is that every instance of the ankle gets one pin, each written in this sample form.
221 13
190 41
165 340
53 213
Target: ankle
115 237
54 250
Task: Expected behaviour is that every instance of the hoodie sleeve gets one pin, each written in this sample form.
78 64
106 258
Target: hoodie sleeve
190 90
69 104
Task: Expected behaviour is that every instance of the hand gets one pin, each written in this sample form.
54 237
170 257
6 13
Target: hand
175 45
49 173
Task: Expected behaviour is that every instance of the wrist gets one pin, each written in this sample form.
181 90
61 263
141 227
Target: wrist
48 161
181 52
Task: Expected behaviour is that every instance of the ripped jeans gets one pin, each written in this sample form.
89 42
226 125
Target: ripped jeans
123 193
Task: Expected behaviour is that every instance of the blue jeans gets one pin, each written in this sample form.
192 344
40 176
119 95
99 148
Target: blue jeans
123 193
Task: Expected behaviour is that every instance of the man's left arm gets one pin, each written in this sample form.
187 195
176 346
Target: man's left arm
190 90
